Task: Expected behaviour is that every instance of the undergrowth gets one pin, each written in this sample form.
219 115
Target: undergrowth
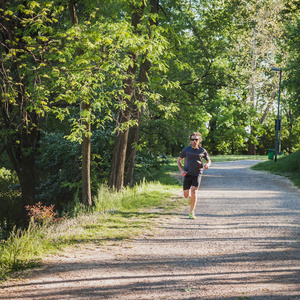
23 249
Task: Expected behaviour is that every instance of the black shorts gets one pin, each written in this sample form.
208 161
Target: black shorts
190 180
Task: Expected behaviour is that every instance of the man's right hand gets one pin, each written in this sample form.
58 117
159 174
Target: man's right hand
183 173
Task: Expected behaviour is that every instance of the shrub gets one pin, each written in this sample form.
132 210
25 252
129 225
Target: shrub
58 167
41 215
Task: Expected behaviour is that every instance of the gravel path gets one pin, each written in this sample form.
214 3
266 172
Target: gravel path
244 244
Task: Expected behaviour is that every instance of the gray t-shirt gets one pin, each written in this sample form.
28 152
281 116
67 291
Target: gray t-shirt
193 160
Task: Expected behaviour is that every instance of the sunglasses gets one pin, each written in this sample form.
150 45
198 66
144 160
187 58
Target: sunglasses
194 139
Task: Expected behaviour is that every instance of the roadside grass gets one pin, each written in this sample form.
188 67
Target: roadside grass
223 158
114 217
23 249
288 166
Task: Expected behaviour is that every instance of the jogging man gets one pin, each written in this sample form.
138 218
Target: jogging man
193 169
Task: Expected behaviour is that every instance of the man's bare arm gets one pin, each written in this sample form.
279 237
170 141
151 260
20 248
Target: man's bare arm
183 173
207 165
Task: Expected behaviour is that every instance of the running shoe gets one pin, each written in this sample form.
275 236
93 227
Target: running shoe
191 215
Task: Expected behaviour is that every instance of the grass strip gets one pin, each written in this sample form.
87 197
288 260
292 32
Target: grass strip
223 158
288 166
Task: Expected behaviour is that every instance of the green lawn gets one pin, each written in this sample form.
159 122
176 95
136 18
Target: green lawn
221 158
288 165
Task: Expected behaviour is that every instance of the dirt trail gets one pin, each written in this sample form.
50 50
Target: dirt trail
244 244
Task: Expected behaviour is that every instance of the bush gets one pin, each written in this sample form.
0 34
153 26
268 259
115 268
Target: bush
59 167
59 170
41 215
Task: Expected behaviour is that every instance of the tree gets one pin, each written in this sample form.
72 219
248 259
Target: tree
92 79
202 38
289 53
258 47
142 79
25 40
135 86
86 137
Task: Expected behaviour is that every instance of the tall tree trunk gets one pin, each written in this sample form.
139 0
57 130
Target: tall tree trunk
72 11
251 148
213 126
131 148
86 158
134 131
22 155
28 183
251 145
137 112
29 139
117 171
86 138
23 159
270 102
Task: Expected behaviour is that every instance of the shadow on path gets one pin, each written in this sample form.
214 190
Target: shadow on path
244 244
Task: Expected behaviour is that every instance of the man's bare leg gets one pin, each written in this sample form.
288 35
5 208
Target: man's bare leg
193 197
186 194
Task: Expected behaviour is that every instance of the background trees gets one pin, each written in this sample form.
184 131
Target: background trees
90 91
289 58
25 62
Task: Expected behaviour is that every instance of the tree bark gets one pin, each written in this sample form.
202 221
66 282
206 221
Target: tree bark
272 97
72 11
29 140
86 159
131 148
251 148
137 112
23 157
86 138
117 171
251 145
22 126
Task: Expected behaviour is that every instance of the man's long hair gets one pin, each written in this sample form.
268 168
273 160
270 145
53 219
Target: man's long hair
198 135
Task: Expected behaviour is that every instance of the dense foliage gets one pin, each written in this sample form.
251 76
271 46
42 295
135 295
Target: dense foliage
99 92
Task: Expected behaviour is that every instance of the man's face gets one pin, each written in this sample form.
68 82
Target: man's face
194 141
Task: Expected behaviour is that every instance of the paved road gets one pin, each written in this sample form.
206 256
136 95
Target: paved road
244 244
